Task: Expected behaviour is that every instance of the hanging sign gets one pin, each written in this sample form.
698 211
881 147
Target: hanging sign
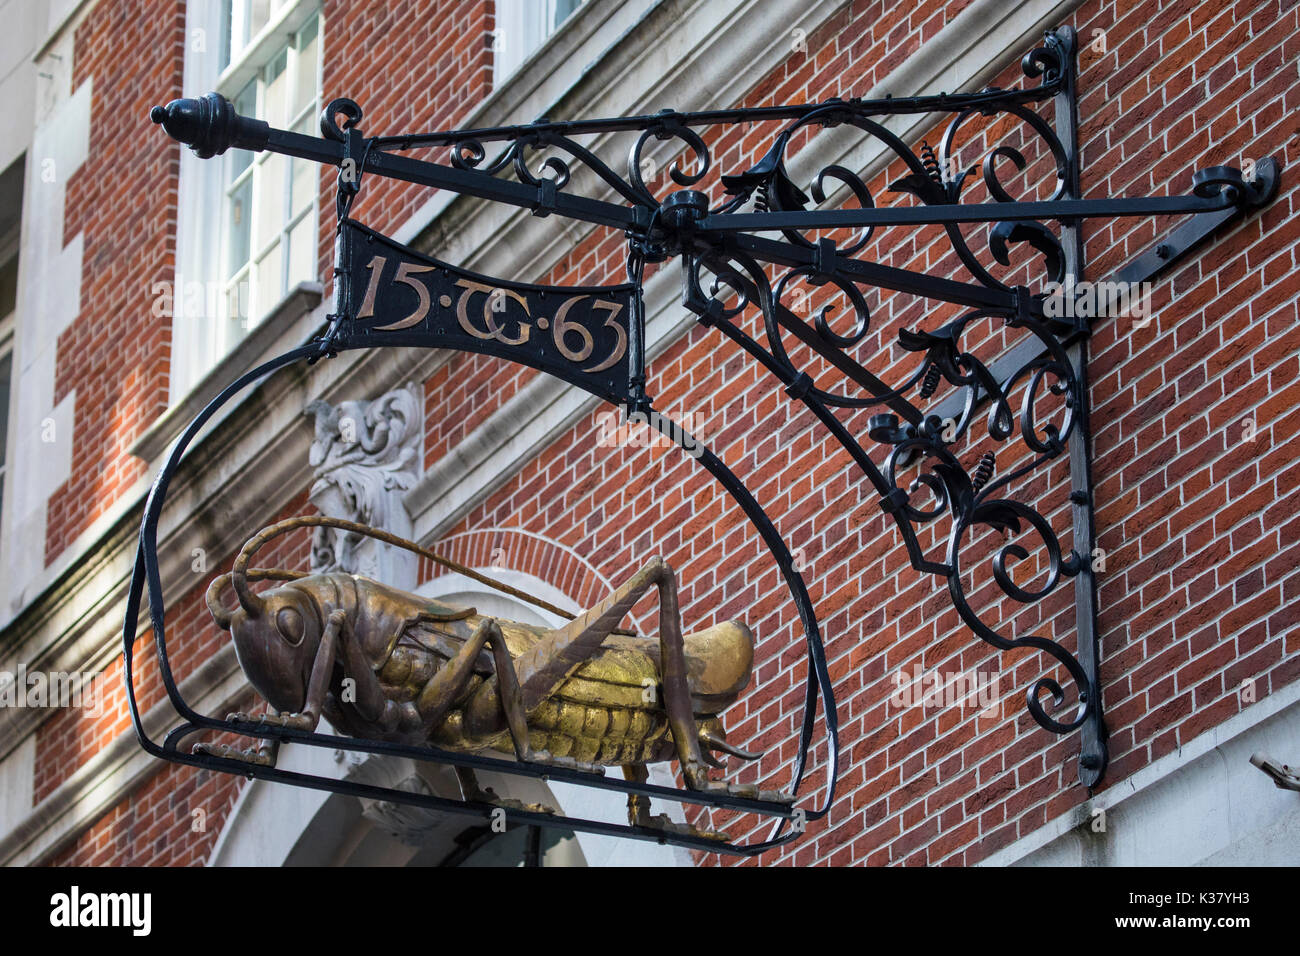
392 295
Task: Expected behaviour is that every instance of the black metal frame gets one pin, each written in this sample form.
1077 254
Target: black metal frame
724 259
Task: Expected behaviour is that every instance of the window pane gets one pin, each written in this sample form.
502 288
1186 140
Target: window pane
306 179
6 369
259 15
522 27
562 10
224 42
264 257
245 105
239 305
304 184
270 284
302 252
9 286
306 175
305 84
270 200
238 223
275 108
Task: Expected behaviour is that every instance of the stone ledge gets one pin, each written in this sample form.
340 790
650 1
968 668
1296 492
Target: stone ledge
301 300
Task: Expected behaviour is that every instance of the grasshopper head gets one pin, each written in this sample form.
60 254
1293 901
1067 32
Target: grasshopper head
276 638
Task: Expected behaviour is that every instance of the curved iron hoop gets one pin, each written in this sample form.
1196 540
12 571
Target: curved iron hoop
146 573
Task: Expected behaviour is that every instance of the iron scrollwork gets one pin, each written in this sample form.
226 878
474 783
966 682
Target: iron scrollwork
968 498
947 482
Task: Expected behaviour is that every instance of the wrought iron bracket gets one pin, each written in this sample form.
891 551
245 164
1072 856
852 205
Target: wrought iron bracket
732 238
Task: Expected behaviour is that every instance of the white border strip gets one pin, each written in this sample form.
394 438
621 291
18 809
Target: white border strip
1154 772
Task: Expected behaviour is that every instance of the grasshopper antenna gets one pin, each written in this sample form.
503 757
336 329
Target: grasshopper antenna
212 598
241 575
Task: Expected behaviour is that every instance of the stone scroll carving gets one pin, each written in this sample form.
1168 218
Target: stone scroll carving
366 454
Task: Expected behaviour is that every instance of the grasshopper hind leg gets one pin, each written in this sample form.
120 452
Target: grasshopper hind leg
638 810
474 792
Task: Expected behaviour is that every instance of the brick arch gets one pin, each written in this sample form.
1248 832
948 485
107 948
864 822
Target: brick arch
527 552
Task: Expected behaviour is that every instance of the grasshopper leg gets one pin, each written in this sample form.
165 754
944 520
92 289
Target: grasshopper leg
475 793
438 695
266 753
638 810
524 684
503 691
317 686
263 755
548 663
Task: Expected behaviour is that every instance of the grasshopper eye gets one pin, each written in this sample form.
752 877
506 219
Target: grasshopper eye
289 623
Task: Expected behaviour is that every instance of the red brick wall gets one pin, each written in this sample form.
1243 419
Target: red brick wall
157 824
69 739
410 65
1199 543
123 198
1200 548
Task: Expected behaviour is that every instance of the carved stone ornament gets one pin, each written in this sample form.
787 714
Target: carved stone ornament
366 455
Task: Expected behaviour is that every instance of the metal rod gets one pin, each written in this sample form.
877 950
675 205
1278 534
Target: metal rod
1092 745
465 181
479 810
873 273
941 103
431 754
969 213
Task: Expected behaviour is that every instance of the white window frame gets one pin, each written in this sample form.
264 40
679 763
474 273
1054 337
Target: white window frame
522 27
206 319
7 324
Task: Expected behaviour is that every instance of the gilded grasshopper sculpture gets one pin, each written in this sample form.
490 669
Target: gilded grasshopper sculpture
380 663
